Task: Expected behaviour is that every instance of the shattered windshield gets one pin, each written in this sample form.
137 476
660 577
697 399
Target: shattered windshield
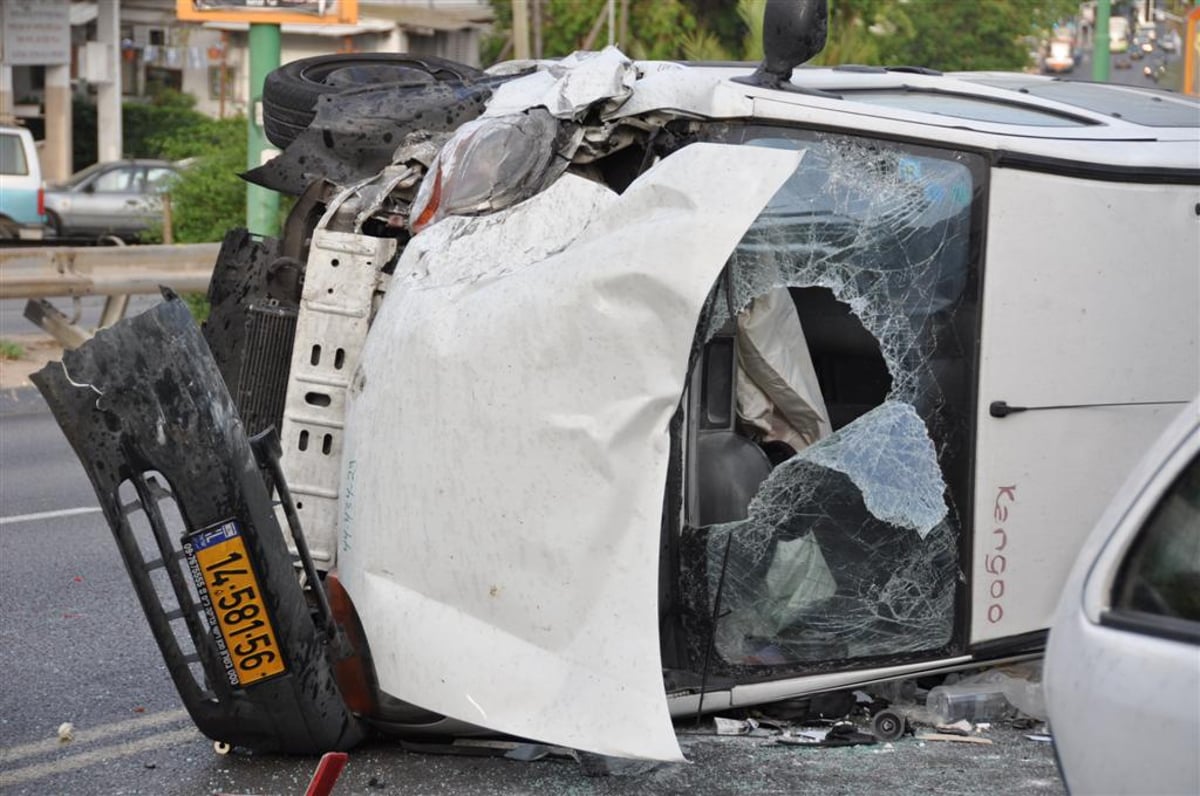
852 303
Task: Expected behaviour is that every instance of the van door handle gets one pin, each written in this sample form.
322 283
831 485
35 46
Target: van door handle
1002 409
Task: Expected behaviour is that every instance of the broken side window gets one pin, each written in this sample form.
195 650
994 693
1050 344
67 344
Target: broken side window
849 547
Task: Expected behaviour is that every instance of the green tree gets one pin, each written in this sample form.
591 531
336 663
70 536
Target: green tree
655 28
940 34
856 28
705 45
210 197
144 126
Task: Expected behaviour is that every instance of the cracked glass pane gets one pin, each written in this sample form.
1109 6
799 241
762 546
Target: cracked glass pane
849 548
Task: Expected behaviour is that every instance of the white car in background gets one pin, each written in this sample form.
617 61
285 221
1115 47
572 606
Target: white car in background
1122 673
1059 56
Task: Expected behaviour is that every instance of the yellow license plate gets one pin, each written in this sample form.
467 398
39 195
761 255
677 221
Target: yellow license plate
234 603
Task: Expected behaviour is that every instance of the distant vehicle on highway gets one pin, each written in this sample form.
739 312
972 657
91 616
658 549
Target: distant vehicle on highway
21 189
1147 30
1059 56
120 199
1118 34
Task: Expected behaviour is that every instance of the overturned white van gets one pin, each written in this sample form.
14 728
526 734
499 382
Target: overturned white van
611 391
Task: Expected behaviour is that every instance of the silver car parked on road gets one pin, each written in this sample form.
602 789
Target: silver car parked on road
121 199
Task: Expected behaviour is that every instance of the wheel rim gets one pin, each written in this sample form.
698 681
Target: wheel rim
354 73
369 74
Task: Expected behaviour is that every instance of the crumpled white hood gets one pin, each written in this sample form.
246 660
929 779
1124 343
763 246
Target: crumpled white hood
507 449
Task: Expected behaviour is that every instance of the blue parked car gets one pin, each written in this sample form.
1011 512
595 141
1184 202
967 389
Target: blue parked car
22 192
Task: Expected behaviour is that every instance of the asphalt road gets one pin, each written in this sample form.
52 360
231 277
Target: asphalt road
1132 75
76 649
13 321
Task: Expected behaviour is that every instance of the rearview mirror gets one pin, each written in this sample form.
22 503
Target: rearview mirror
793 32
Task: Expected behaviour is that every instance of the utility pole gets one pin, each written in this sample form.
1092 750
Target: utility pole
520 29
109 133
1100 54
537 29
56 153
262 204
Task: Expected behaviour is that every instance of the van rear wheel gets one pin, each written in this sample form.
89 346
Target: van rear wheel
290 93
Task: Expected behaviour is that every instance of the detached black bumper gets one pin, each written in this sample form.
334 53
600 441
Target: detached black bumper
147 412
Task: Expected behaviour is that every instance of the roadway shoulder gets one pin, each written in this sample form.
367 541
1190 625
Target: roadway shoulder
22 400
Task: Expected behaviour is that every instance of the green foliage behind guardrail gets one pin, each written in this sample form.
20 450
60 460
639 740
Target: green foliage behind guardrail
210 197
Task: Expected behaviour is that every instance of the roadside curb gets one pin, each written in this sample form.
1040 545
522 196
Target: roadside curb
21 401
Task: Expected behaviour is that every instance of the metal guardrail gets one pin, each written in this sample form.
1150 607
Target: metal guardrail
40 272
47 271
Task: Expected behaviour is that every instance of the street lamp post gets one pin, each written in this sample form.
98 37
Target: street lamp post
262 204
1100 55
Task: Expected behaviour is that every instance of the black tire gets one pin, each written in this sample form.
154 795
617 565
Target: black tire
290 93
54 224
888 725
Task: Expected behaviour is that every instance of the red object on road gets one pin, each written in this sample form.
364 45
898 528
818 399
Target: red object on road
327 773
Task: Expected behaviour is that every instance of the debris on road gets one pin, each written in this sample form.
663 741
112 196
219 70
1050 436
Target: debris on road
66 732
943 736
960 727
843 733
735 726
326 776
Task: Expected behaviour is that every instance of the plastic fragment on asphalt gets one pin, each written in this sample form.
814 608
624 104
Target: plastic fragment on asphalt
735 726
960 727
797 740
840 734
1041 738
66 732
938 736
527 752
327 773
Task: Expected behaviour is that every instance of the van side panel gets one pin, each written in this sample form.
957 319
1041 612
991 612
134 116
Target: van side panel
1081 308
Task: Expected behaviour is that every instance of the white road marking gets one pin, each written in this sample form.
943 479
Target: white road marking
92 734
74 762
48 515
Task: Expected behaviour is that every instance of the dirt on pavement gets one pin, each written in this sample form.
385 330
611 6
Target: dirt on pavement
36 351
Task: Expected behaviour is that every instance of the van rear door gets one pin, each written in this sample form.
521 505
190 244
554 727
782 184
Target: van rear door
1096 337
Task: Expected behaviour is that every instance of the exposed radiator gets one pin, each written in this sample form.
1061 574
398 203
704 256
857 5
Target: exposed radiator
263 376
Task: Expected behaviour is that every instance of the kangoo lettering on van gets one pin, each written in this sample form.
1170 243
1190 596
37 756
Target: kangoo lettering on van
348 505
995 563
